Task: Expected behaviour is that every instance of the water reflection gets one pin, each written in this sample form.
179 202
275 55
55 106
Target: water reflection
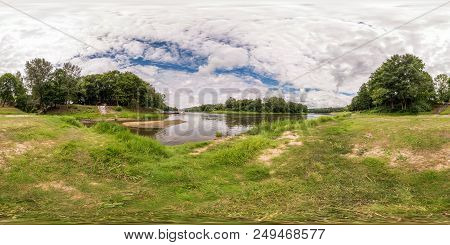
204 126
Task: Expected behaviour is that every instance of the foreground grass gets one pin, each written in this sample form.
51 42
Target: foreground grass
71 174
446 111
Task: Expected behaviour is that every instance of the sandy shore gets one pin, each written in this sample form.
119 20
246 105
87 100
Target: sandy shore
152 124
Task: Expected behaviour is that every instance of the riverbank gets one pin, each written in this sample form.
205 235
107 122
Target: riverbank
351 168
251 113
111 112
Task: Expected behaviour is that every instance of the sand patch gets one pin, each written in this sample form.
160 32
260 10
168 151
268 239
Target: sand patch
9 149
215 142
289 135
152 124
270 154
439 160
16 116
63 187
420 160
363 151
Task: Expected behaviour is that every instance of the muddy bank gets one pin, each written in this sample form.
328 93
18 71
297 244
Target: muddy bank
153 124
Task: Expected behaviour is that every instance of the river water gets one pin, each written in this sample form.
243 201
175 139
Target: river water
204 126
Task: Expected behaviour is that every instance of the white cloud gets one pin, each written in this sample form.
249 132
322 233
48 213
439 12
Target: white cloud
225 57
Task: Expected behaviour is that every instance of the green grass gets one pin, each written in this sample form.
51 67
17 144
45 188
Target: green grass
10 111
91 112
106 174
446 111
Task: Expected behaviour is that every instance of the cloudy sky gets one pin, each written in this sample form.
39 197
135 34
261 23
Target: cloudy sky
317 52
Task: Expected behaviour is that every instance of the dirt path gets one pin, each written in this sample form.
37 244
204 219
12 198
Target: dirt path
102 110
215 142
290 138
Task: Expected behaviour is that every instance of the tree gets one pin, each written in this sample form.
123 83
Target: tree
38 72
71 76
362 101
442 86
399 84
230 104
12 90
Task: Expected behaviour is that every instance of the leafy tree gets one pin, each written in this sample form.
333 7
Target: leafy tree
230 104
38 73
363 100
71 75
117 88
12 90
442 85
399 84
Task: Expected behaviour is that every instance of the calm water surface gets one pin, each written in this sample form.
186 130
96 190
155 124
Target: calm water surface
203 126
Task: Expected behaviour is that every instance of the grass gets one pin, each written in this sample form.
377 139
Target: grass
92 112
105 174
446 111
10 111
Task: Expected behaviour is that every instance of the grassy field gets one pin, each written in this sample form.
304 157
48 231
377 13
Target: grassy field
446 111
92 112
344 169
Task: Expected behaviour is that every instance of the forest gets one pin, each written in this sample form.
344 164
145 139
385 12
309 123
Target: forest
267 105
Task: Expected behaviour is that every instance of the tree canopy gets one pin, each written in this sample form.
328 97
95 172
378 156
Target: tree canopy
399 84
12 90
270 105
49 86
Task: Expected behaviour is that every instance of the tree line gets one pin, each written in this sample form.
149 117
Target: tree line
45 86
267 105
401 84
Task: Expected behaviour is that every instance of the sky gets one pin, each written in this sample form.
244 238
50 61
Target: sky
314 52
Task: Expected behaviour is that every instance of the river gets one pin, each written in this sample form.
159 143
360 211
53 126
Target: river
204 126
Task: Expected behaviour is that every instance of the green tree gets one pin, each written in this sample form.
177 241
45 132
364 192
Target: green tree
38 73
442 85
401 84
71 80
230 104
12 91
362 101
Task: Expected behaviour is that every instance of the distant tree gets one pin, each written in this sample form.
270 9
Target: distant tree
442 85
38 73
230 104
258 105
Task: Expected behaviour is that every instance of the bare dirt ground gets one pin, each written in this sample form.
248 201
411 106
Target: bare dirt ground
213 143
290 139
153 124
438 160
